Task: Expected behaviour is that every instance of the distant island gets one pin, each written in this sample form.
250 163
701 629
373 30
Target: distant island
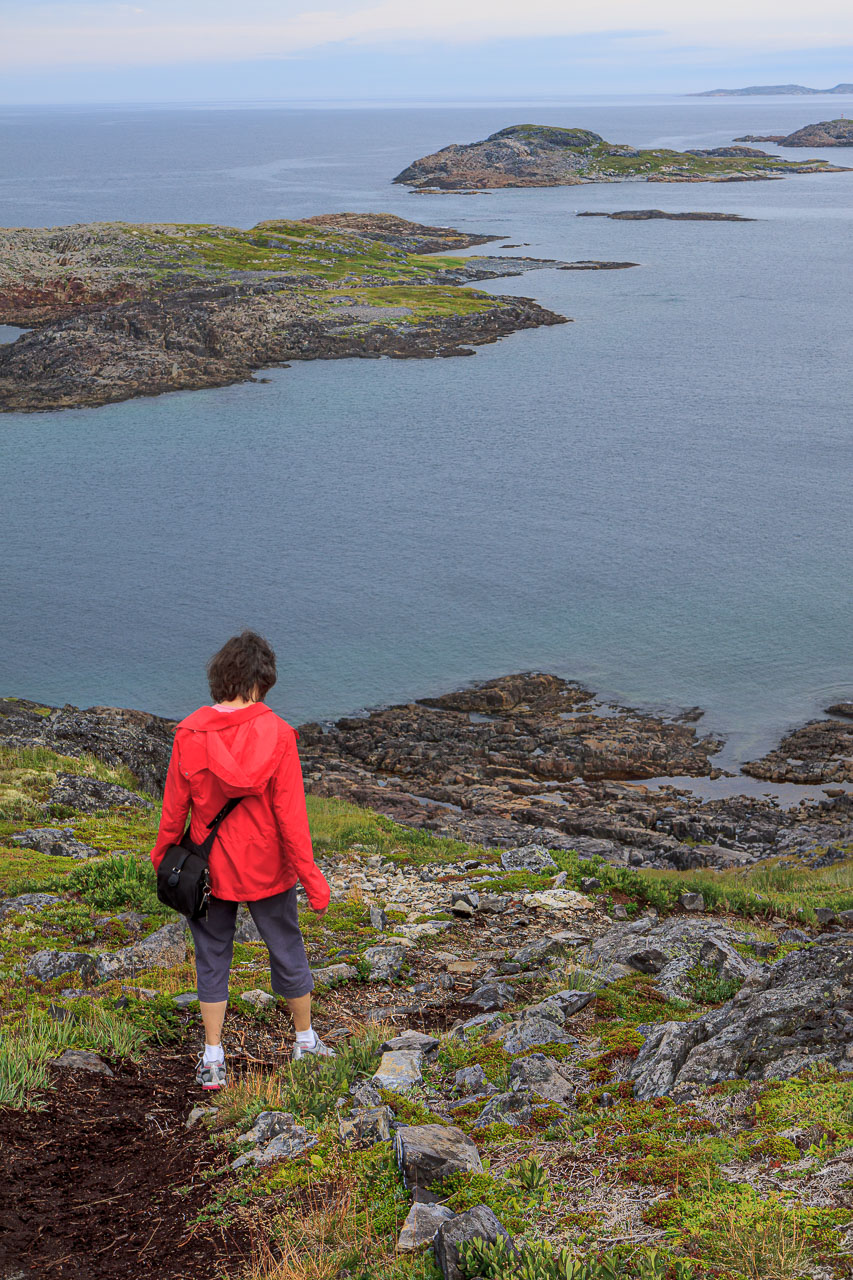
759 90
826 133
647 215
116 310
530 155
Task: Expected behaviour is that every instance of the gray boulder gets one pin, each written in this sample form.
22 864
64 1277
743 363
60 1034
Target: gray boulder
268 1125
480 1022
667 950
47 965
90 795
399 1070
491 995
534 952
422 1222
479 1222
55 842
541 1075
528 857
428 1153
246 930
367 1126
82 1060
472 1080
514 1108
290 1142
385 963
786 1018
162 949
410 1040
332 975
529 1032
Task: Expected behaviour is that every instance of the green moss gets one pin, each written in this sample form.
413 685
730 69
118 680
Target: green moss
637 999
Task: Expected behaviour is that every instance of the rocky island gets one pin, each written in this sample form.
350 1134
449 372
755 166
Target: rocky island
529 155
826 133
647 215
765 90
116 310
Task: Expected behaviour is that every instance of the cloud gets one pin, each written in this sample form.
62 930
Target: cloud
44 33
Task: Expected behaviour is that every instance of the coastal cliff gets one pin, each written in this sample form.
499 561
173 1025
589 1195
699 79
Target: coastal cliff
528 155
120 310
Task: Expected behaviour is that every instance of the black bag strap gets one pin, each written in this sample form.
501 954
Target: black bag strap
213 826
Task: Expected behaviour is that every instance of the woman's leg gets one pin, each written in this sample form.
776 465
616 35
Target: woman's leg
277 919
214 947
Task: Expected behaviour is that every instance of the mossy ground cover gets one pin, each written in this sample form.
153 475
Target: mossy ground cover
644 1184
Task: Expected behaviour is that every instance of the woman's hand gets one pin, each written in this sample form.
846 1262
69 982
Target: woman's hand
319 912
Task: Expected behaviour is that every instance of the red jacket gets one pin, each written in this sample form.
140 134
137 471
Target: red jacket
264 846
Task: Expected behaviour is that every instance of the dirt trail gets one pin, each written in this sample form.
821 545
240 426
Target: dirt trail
89 1183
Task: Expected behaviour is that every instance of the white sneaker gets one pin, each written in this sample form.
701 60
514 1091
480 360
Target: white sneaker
317 1049
210 1075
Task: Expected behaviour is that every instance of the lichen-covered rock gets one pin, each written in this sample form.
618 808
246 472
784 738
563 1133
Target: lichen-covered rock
792 1015
82 1060
25 902
55 842
47 965
490 995
90 795
539 1074
529 1032
332 975
528 857
368 1125
399 1070
422 1222
513 1108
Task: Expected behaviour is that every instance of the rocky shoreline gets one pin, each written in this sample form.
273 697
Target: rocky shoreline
529 757
118 310
826 133
528 155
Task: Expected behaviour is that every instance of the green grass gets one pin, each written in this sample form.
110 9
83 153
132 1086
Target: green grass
118 883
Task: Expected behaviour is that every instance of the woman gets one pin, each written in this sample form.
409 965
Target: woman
238 747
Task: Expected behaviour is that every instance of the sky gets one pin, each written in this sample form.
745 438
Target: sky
55 51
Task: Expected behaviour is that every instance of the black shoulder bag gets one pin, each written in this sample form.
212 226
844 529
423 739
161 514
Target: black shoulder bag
183 877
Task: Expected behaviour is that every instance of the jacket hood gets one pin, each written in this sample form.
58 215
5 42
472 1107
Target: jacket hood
241 748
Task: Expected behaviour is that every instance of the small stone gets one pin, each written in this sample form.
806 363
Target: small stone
269 1124
464 967
462 908
378 919
541 1075
649 960
488 1020
385 963
185 999
421 1224
365 1094
824 915
512 1108
572 1002
477 1223
198 1113
332 975
287 1145
245 929
620 912
492 995
258 999
371 1125
82 1060
472 1080
560 880
529 857
428 1153
399 1070
589 884
558 900
528 1033
535 951
692 901
411 1040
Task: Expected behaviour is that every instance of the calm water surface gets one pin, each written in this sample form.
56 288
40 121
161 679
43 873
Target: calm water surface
654 499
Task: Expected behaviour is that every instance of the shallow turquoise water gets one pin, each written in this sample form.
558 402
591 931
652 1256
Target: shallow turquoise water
654 499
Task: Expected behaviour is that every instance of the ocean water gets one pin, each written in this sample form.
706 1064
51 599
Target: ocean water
654 499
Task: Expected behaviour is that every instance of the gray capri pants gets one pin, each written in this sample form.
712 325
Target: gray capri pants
278 924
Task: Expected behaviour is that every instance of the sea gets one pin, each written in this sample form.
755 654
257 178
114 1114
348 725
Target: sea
654 500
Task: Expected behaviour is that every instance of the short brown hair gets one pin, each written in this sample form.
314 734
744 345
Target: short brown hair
243 663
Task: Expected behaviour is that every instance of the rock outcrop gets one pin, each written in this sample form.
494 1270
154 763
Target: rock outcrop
646 215
826 133
786 1018
820 751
